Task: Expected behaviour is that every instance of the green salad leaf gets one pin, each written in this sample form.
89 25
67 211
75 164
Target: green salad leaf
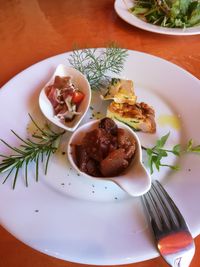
168 13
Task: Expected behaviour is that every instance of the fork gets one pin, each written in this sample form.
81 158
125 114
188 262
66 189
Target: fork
173 238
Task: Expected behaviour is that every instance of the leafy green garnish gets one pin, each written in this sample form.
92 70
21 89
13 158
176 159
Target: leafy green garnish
156 154
95 64
191 148
168 13
30 151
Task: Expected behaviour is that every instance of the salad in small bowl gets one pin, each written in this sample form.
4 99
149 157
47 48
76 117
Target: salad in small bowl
65 99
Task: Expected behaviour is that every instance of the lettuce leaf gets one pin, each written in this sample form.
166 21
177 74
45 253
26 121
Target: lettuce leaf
168 13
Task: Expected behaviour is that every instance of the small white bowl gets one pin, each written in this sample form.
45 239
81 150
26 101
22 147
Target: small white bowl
80 81
135 180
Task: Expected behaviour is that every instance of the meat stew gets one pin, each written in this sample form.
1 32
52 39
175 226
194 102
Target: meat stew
105 151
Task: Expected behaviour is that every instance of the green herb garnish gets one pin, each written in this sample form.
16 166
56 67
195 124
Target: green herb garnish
158 152
95 64
168 13
191 148
30 151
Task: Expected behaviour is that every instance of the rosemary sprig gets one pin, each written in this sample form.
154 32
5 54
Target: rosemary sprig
30 151
95 65
158 152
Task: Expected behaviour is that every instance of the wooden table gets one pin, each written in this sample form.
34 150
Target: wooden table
36 29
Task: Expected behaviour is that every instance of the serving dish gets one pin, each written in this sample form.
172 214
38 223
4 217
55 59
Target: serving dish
134 180
80 82
121 8
77 220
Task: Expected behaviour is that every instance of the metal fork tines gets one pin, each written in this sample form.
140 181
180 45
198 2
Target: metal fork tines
173 238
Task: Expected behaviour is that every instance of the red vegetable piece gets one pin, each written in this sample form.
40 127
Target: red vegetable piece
77 97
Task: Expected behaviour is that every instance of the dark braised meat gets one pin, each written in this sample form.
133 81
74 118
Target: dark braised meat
93 168
114 163
85 163
96 144
125 143
81 157
109 125
105 151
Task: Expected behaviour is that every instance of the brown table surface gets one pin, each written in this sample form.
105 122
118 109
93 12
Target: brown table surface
36 29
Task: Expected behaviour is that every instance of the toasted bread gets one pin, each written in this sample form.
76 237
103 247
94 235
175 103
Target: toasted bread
141 117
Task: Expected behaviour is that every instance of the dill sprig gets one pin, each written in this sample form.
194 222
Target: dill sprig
30 151
96 65
156 154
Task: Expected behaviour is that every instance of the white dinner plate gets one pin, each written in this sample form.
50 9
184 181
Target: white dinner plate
121 8
82 220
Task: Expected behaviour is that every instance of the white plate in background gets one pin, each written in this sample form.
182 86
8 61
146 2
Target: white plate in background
121 8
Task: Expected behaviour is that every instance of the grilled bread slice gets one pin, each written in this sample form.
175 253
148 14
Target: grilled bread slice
140 117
